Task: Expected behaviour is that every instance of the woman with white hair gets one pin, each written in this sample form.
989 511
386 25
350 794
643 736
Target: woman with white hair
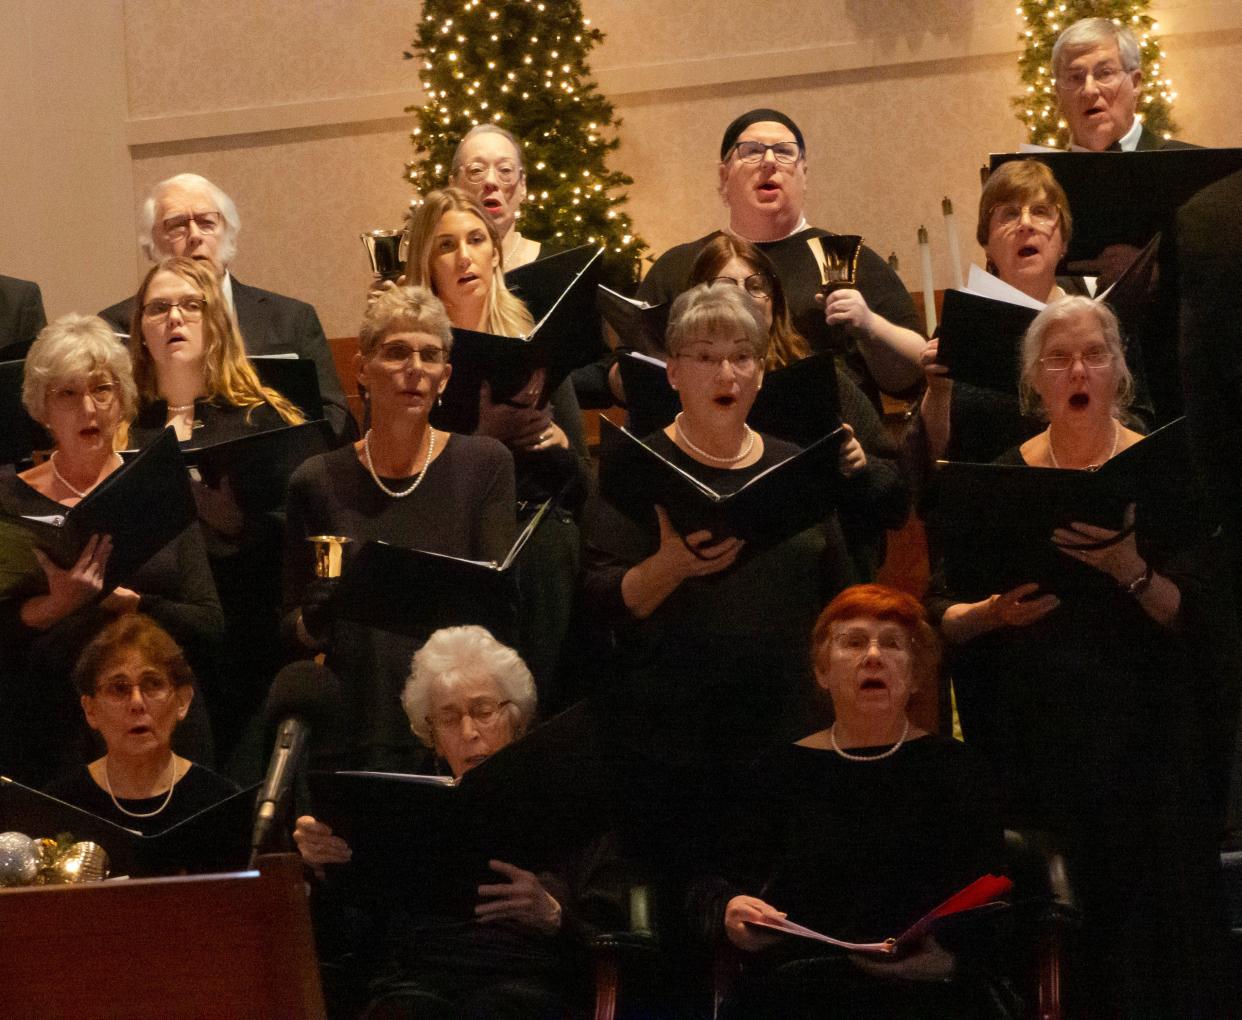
488 165
467 697
78 384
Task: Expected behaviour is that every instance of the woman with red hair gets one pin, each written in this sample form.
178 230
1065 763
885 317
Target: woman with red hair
856 831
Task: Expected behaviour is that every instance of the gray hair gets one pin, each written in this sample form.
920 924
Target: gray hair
1056 313
415 309
455 654
225 205
1091 32
487 129
76 345
708 309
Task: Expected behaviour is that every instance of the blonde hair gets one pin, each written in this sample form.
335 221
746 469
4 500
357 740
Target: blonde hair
228 376
704 311
506 314
76 345
415 309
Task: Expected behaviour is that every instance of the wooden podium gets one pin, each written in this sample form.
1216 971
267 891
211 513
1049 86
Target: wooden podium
209 946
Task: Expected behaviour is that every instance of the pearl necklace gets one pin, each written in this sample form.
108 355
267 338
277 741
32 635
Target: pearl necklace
832 737
741 455
366 452
172 779
181 408
80 493
1052 454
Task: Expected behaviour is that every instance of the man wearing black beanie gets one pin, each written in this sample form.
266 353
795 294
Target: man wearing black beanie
763 174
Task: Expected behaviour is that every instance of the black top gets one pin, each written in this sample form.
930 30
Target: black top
39 701
214 422
883 290
464 508
195 791
21 315
857 850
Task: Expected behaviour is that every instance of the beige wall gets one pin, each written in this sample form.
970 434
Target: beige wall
296 110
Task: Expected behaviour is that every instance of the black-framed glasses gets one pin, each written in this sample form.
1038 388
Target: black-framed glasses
395 355
1094 357
177 227
102 395
159 308
153 687
757 285
485 712
756 152
506 173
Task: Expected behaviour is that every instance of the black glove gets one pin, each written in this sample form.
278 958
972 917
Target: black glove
316 614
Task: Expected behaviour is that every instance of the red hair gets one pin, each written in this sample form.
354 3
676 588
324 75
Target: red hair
883 603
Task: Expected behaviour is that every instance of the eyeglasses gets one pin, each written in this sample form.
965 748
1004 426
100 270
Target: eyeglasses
191 309
756 152
154 687
1105 76
177 227
1043 215
506 173
1093 357
485 712
891 644
757 285
70 397
394 356
742 362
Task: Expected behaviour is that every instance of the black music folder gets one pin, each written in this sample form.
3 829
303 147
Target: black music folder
639 326
414 592
426 840
787 498
541 283
798 403
257 466
1127 198
143 505
20 435
997 520
295 379
215 839
564 338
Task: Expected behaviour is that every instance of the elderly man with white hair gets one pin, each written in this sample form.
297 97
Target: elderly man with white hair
188 215
1098 72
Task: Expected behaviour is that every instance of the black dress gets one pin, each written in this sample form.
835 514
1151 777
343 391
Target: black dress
42 730
464 508
195 791
858 851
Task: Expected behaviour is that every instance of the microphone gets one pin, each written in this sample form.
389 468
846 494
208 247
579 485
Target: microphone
304 696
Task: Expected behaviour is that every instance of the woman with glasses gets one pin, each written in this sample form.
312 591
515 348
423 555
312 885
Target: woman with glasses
78 384
856 831
1095 708
190 361
879 499
135 687
404 483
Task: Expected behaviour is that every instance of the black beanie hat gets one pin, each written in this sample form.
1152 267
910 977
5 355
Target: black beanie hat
756 117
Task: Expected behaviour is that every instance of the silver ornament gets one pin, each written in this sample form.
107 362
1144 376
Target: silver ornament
19 859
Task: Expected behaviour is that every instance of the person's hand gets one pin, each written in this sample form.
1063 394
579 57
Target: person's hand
522 898
518 423
69 590
316 615
740 914
937 375
122 600
217 507
318 846
930 962
381 285
848 307
1119 559
1020 607
852 457
694 555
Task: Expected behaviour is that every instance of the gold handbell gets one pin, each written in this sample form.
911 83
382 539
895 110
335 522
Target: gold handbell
82 862
329 554
837 258
385 252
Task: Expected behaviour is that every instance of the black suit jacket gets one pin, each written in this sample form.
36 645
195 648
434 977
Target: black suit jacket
274 324
21 313
1149 141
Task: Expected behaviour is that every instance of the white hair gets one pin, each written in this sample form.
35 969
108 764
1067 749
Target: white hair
228 211
1091 32
453 655
487 129
76 345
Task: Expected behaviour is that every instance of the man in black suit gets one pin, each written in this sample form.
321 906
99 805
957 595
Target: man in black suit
21 314
188 215
1098 70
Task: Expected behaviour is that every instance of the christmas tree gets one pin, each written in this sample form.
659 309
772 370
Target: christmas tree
522 65
1047 19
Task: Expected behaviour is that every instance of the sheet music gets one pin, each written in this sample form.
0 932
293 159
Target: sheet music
983 284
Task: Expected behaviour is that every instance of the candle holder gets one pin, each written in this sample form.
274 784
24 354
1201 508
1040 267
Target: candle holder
329 554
